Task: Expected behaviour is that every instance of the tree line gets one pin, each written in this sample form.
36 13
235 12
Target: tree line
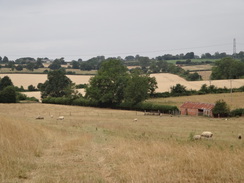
225 68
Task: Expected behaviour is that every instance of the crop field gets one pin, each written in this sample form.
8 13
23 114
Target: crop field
103 145
33 79
165 81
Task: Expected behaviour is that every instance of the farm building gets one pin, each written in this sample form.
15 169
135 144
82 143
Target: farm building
197 109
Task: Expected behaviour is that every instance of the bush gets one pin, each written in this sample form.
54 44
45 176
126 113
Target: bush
8 95
146 106
237 112
20 96
221 109
79 86
32 88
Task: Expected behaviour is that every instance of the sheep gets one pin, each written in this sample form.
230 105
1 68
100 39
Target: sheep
197 137
135 120
60 118
39 117
239 136
207 134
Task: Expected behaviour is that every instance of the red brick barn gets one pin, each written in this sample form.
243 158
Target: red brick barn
197 109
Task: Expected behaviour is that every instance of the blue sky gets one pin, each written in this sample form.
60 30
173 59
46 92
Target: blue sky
86 28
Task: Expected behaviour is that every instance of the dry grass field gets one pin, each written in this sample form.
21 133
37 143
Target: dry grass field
33 79
165 81
103 145
234 100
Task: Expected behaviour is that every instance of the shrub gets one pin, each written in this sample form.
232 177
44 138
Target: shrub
32 88
237 112
80 86
20 96
221 109
8 95
146 106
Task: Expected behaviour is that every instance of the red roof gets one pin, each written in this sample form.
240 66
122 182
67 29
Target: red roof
194 105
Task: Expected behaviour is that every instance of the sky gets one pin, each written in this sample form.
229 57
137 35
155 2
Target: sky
84 29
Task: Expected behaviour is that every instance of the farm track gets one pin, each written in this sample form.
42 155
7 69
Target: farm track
85 161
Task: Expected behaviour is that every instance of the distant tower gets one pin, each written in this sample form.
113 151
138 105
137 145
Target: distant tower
234 48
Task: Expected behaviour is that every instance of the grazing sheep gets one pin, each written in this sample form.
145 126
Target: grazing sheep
197 137
239 136
207 134
135 119
60 118
39 117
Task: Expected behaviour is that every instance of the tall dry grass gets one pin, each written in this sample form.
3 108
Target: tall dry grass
20 143
172 161
103 145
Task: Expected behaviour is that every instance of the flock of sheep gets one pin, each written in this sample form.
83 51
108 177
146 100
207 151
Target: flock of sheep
59 118
209 135
204 135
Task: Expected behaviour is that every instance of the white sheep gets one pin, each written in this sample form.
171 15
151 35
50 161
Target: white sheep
135 120
39 117
207 134
197 137
60 118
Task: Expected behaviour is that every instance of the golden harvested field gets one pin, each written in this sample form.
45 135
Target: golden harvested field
234 100
33 79
165 81
205 74
103 145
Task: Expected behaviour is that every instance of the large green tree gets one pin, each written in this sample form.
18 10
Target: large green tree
107 87
5 59
221 109
139 87
178 90
5 82
7 91
114 84
57 85
227 68
8 95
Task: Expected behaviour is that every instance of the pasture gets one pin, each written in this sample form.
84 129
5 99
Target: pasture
103 145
